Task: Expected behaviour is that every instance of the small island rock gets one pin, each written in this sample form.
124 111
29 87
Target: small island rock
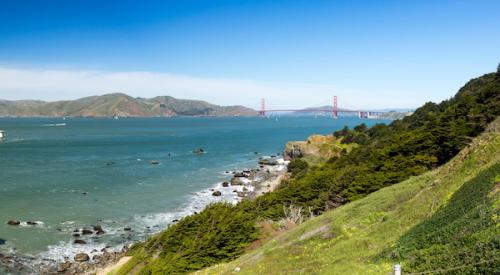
86 232
79 242
13 222
199 151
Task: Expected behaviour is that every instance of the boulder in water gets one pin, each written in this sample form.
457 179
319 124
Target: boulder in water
86 232
81 257
236 181
244 174
13 222
127 229
268 162
199 151
79 241
98 229
31 223
155 162
225 184
217 194
2 241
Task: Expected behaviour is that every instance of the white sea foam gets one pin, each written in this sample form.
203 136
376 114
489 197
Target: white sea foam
143 226
54 125
37 224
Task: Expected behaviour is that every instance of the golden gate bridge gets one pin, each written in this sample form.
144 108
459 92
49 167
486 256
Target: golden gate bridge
335 111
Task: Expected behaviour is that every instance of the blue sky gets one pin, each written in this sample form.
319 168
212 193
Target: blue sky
294 53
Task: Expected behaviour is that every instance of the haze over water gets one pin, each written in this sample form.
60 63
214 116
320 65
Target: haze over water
58 175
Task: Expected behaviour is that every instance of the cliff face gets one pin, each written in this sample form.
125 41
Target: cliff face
315 149
121 105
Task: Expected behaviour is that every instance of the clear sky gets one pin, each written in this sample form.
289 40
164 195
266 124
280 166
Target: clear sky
372 54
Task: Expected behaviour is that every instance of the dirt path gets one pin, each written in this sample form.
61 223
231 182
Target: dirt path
113 267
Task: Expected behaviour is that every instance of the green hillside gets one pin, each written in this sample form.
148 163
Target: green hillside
119 104
384 155
445 220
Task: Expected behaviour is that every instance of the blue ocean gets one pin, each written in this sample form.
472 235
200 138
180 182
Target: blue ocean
75 173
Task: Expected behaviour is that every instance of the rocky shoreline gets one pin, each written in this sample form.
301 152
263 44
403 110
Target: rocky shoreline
244 184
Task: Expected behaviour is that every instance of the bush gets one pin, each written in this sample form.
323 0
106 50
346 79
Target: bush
297 166
216 234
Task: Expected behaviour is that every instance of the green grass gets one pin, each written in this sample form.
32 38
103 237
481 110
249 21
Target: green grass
446 220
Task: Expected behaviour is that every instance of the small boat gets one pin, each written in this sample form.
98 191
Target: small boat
116 117
2 134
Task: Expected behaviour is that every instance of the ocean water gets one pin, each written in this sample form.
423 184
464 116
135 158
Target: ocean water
55 172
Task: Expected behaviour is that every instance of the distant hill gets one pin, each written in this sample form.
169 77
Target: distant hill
121 105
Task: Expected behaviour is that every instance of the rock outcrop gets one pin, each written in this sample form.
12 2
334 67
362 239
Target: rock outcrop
81 257
13 222
316 147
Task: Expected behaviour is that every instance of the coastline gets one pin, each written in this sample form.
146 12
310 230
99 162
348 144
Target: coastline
244 184
254 182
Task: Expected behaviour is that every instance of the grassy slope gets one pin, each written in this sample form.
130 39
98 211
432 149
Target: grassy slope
429 221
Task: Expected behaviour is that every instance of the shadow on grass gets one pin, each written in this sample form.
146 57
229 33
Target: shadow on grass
463 237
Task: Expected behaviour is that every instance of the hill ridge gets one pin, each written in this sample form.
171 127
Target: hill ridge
119 104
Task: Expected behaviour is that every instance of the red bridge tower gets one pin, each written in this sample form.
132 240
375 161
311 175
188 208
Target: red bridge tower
335 109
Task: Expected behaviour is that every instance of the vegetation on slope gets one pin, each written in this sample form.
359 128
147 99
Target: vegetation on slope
217 233
391 153
120 104
388 154
445 221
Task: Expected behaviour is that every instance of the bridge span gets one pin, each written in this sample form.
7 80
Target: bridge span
335 111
